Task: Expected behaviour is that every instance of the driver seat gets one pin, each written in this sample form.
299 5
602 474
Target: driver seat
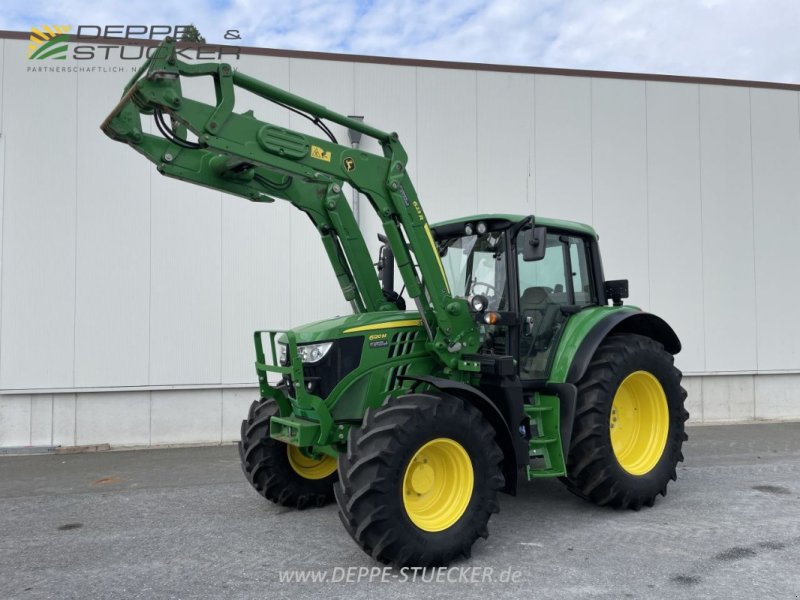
533 298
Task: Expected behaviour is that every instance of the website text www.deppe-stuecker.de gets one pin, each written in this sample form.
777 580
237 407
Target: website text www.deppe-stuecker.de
405 574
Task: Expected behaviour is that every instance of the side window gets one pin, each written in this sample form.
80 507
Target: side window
547 273
455 262
581 273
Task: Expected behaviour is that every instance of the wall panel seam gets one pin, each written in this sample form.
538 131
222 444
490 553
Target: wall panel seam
702 231
290 275
416 128
149 275
753 220
531 150
647 195
75 233
2 191
221 285
477 143
535 138
591 147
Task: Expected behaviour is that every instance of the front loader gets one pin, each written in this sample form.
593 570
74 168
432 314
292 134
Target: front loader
512 364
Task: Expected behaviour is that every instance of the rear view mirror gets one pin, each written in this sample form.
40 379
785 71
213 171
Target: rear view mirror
531 242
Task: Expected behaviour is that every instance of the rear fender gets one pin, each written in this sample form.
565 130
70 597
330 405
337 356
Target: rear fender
641 323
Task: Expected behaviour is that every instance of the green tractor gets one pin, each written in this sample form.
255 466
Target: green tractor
512 363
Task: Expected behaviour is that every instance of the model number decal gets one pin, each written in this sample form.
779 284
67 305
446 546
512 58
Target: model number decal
378 340
419 210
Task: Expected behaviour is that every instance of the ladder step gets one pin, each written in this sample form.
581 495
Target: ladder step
544 448
542 441
532 472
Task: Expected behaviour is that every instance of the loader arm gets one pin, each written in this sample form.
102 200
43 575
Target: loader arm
238 154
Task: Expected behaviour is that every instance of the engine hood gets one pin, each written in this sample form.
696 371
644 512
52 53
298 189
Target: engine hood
355 325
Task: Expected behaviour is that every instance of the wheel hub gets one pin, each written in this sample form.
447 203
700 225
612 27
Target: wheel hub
639 422
422 477
438 484
308 467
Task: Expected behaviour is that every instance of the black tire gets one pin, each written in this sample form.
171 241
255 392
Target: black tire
594 472
265 463
370 489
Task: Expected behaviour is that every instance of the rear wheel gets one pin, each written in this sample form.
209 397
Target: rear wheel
629 425
419 480
281 473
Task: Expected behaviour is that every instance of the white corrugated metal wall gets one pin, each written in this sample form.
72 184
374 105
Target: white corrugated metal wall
119 286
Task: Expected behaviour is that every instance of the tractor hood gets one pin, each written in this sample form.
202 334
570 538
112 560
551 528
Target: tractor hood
354 325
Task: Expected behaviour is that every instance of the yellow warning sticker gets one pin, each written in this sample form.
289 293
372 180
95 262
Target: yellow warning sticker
320 154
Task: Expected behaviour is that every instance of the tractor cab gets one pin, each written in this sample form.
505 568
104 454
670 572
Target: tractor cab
523 279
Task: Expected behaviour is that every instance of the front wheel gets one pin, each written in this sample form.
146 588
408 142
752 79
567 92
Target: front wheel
629 425
282 473
419 480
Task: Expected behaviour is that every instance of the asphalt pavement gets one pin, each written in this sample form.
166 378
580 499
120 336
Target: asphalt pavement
184 523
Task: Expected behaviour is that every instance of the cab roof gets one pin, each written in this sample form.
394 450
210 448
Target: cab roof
569 226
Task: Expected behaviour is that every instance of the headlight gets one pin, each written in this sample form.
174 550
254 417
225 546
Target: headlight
479 303
313 353
282 359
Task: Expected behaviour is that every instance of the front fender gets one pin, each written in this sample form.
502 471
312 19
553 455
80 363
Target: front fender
511 455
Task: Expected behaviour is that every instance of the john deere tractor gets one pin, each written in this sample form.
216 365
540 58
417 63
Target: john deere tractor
510 365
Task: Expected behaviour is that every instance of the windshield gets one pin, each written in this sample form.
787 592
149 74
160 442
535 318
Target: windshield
476 264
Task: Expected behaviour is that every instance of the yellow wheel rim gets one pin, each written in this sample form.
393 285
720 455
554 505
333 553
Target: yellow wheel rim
310 468
437 484
639 422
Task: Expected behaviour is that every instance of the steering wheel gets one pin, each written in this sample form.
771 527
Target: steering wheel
488 287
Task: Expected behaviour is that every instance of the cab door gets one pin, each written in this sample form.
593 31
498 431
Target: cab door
550 290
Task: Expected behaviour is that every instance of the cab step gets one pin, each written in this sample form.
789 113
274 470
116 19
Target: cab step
545 447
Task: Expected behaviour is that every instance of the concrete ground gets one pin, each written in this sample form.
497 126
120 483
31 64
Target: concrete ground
183 523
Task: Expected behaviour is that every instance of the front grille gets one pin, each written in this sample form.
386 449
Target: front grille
343 357
404 342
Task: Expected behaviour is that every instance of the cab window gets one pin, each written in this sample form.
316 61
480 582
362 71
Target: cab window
562 278
476 264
